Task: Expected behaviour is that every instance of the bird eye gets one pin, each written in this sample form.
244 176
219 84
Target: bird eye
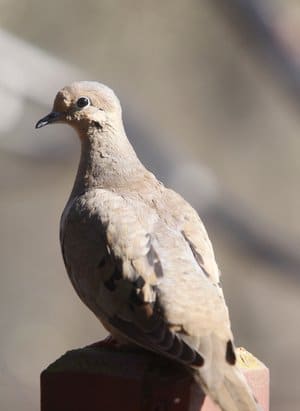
83 102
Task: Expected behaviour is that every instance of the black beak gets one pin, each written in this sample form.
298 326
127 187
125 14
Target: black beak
50 118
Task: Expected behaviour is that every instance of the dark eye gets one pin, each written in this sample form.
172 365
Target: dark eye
83 102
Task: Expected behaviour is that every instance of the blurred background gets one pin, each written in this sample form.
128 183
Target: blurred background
211 93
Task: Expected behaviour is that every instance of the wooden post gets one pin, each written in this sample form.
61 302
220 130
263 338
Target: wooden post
103 378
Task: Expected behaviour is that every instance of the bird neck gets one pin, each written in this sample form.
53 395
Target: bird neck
107 161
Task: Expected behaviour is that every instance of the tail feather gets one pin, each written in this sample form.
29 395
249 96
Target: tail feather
233 393
237 393
223 382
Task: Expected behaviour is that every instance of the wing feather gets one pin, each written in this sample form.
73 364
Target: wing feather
134 264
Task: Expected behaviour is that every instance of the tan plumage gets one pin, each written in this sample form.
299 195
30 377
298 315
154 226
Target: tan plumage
138 254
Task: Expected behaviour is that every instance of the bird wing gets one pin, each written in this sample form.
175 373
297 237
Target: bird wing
132 273
189 223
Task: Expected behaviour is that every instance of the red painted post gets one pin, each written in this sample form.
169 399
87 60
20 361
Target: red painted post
101 378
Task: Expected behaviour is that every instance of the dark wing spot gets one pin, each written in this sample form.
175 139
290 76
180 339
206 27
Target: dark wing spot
198 257
140 282
136 298
110 284
198 361
154 261
230 354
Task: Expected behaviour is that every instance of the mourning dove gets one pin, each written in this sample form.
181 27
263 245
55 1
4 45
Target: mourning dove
138 254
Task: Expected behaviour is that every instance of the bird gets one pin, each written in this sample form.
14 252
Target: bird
138 254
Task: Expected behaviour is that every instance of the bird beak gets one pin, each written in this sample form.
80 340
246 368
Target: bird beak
53 117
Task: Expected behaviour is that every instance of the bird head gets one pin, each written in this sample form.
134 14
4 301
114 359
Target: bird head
84 104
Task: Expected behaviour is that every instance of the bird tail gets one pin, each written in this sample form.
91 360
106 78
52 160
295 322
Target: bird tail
227 386
233 394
